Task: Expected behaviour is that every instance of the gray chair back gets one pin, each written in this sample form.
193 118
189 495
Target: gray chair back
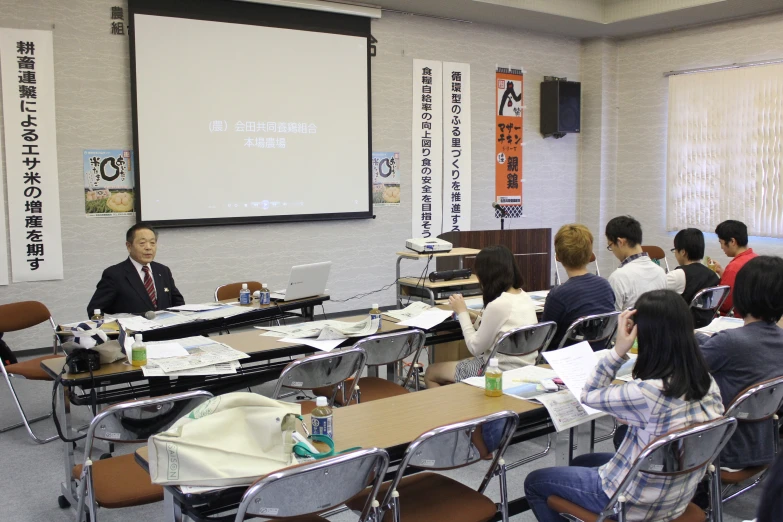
457 445
710 298
558 279
136 421
678 452
592 328
316 487
758 402
392 347
523 341
322 370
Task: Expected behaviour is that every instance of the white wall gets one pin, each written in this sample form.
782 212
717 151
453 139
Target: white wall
93 111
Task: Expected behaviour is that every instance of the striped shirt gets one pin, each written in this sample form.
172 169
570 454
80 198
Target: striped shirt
649 414
579 296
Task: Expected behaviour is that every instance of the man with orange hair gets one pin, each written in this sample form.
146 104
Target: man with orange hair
583 293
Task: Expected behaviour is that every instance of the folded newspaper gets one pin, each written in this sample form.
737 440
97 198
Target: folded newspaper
326 330
204 357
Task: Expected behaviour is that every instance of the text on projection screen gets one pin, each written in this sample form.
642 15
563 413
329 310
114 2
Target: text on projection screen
239 120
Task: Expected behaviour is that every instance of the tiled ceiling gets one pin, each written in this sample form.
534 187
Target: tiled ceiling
587 18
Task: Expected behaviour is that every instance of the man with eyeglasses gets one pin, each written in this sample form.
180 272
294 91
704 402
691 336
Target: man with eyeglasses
637 273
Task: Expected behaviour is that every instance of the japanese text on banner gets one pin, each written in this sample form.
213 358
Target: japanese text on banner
427 158
508 140
456 147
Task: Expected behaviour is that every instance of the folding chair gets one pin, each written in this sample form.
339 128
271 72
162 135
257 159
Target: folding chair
706 303
684 451
523 340
385 349
557 269
656 253
120 482
317 487
757 403
323 370
430 496
19 316
231 290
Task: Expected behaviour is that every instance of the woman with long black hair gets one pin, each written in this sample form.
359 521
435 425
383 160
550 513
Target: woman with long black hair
506 306
671 389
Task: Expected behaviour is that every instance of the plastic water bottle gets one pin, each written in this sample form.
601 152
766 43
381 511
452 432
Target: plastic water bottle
97 315
244 295
493 379
375 315
321 418
138 352
263 297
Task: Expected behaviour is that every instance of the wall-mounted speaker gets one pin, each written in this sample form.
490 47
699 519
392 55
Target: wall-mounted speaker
561 103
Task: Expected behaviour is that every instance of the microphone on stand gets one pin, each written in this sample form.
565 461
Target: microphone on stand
502 213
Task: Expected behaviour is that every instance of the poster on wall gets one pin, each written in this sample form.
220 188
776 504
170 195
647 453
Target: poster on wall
508 141
27 72
456 147
427 148
108 182
386 179
3 235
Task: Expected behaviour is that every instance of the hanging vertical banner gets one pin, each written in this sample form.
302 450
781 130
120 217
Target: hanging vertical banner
108 182
27 71
426 147
3 235
508 141
456 147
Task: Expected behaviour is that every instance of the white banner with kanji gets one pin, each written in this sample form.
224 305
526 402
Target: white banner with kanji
3 235
456 147
27 73
427 148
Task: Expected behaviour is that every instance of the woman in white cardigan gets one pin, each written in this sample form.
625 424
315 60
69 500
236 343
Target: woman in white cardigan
506 306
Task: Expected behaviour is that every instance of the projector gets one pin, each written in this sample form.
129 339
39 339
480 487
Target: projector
428 246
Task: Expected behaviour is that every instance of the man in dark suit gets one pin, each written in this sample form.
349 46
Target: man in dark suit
137 285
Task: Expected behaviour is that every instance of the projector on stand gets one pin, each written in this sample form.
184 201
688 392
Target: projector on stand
428 246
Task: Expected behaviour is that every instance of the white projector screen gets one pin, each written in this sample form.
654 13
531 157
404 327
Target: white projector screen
241 123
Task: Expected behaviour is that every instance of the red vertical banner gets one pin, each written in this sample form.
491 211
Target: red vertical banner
508 140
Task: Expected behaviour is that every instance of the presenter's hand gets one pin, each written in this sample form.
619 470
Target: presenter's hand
457 304
718 268
626 333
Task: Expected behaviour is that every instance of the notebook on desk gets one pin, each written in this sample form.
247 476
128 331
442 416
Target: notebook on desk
304 281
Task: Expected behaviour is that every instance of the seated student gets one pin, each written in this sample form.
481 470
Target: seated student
637 273
691 276
583 293
671 389
506 306
771 502
138 284
733 239
753 353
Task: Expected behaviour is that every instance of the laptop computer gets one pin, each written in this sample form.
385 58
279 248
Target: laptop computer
304 281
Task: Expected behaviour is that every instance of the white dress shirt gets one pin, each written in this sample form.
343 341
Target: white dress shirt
635 278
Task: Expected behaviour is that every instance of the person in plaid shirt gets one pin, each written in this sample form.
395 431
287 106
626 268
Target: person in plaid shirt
671 389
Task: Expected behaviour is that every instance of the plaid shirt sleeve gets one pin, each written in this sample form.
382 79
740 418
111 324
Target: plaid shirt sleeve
625 401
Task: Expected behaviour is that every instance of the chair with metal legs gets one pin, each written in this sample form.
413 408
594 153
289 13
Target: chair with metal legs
522 341
757 403
684 451
428 496
301 493
383 350
323 370
20 316
119 481
656 253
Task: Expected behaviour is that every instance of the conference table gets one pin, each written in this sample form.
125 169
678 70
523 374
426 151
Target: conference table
392 424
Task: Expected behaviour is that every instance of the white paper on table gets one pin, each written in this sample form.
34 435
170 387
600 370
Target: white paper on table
428 319
326 330
522 383
410 311
227 368
721 323
221 312
206 355
574 364
324 346
475 303
137 324
197 490
195 307
565 411
164 350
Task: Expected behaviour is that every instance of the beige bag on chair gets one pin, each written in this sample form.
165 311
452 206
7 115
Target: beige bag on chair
229 440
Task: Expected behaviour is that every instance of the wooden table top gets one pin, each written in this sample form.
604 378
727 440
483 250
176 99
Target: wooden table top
426 283
398 421
410 254
250 342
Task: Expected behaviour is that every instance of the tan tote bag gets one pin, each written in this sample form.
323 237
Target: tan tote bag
229 440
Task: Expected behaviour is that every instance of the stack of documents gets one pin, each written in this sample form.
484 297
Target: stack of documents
322 335
189 356
409 312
